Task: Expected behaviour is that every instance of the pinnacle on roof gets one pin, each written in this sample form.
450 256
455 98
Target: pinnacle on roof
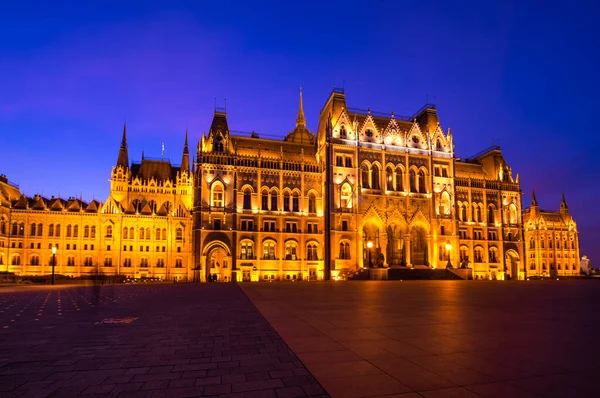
123 159
185 158
301 120
533 199
563 203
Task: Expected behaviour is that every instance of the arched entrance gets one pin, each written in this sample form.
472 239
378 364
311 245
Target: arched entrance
395 246
511 261
418 246
218 263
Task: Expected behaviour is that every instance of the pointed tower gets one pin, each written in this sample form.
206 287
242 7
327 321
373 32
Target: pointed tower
123 159
301 120
534 207
185 158
564 209
300 135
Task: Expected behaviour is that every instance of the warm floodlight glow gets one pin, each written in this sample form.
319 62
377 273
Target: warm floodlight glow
369 244
448 246
54 250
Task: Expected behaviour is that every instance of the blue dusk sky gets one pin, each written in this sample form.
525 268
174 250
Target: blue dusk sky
517 73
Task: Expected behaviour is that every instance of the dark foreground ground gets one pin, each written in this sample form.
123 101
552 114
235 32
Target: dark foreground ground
358 339
143 341
442 338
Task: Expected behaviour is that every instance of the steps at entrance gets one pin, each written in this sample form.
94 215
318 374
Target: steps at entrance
408 274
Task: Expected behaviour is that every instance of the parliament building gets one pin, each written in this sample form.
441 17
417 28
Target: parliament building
365 193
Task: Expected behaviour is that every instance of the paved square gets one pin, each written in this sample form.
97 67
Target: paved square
441 338
143 341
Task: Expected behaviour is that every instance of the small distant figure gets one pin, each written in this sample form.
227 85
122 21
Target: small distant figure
215 278
210 278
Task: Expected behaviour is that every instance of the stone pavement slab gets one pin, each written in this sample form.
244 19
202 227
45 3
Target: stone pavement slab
441 338
157 340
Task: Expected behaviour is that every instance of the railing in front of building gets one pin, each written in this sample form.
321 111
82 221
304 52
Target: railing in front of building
486 184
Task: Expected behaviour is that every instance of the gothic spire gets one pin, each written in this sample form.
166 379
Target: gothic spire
123 159
185 158
563 203
534 201
301 120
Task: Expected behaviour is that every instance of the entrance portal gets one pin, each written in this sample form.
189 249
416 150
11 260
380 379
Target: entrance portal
217 264
418 246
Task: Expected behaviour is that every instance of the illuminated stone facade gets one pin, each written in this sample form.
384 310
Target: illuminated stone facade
367 191
552 241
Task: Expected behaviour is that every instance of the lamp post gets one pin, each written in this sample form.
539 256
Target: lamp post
448 248
369 246
53 262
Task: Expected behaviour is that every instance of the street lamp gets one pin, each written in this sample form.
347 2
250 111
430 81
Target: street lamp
448 248
369 246
53 262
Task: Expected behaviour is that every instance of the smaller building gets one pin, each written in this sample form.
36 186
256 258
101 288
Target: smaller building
552 242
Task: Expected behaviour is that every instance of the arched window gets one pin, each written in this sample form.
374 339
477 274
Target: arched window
375 177
463 212
274 200
422 187
109 231
218 144
3 227
93 232
142 233
399 179
217 195
438 145
295 202
550 242
125 232
75 231
512 214
269 250
365 176
247 252
131 233
478 253
40 229
343 132
531 243
164 234
247 199
311 252
179 234
70 261
345 196
69 229
22 229
264 196
15 229
57 230
413 181
389 179
444 203
34 260
16 259
286 201
148 234
490 215
493 253
86 231
542 242
33 231
157 236
474 212
312 203
544 267
290 250
344 251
